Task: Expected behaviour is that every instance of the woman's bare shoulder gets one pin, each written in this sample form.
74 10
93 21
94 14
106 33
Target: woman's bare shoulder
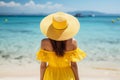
71 44
45 44
45 40
72 41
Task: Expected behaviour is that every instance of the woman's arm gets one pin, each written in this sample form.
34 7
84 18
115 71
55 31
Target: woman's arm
43 65
42 69
75 70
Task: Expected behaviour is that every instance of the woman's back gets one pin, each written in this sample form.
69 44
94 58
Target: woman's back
59 67
71 54
71 44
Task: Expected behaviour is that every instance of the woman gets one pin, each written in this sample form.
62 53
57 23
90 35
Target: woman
59 52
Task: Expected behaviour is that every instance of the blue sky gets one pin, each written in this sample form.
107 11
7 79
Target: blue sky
48 6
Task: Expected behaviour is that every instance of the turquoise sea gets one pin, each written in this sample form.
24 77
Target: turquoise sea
20 38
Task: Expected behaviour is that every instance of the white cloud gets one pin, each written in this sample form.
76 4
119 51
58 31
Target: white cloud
31 3
10 4
32 7
2 3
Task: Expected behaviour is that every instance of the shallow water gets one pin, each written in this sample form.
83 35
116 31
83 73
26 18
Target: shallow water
20 39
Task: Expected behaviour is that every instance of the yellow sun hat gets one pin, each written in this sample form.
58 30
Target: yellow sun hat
59 26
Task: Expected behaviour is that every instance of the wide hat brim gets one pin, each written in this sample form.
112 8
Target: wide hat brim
70 31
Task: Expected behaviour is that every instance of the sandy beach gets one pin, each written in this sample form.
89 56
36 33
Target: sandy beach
87 71
36 78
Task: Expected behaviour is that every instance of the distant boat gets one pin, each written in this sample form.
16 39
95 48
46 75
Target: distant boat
78 15
81 15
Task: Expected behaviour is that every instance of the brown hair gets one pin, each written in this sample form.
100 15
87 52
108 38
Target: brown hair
59 47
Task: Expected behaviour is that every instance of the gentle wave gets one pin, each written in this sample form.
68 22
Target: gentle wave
19 23
19 31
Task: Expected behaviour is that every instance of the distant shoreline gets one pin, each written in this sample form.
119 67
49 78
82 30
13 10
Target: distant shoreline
23 15
74 13
46 15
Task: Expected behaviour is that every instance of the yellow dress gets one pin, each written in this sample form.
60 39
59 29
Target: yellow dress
59 68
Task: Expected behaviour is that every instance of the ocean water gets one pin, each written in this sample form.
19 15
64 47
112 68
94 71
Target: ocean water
20 38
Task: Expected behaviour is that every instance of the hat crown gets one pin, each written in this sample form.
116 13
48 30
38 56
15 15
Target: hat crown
59 21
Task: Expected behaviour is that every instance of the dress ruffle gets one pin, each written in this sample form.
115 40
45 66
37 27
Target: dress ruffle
74 55
42 55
